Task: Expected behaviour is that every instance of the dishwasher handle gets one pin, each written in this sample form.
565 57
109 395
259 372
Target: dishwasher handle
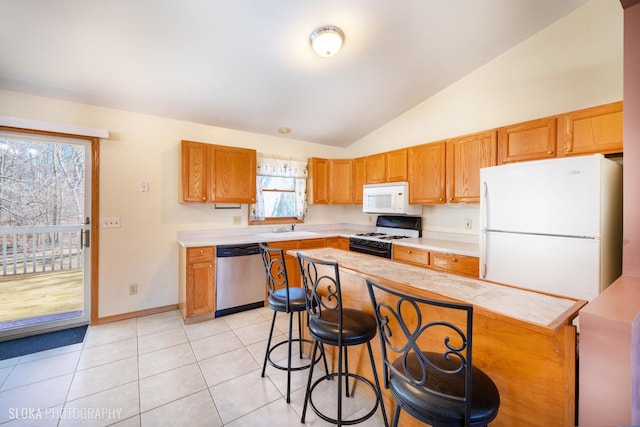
227 251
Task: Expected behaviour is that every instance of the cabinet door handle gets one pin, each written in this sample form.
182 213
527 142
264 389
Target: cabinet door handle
201 251
204 199
567 150
454 259
409 251
549 152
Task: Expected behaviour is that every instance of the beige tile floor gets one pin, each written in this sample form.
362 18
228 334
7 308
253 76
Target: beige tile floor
156 371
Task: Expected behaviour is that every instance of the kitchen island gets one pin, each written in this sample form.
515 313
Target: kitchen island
523 340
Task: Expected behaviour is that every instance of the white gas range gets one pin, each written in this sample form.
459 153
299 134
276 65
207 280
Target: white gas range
388 228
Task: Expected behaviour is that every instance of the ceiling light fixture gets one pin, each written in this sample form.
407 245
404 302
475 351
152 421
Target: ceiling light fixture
284 130
327 41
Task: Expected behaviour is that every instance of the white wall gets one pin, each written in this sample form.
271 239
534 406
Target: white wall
575 63
572 64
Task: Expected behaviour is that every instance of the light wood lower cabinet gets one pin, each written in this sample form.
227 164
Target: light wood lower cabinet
291 262
197 288
413 256
337 243
451 263
459 264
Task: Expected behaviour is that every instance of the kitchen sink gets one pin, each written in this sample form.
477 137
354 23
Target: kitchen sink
286 234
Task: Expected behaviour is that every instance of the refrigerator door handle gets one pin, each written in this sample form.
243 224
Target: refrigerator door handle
485 193
483 230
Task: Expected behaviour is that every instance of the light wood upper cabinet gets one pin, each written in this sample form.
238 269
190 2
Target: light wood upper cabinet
359 178
234 175
330 181
426 164
215 173
592 130
318 181
195 163
531 140
390 166
465 156
396 165
340 181
376 169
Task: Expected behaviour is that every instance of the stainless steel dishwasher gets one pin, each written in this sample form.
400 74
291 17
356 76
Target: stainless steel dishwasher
240 278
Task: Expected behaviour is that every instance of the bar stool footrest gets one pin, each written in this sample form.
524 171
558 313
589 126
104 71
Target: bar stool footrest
343 422
297 368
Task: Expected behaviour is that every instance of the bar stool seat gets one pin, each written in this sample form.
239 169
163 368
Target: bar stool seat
277 300
358 327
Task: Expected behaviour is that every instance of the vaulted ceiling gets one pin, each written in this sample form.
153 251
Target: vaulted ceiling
247 64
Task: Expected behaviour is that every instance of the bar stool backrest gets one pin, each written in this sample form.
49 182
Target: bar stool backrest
321 281
276 270
426 343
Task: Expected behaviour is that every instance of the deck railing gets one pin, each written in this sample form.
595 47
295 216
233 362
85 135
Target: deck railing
38 249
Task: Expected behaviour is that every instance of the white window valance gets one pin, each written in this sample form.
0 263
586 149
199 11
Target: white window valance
274 165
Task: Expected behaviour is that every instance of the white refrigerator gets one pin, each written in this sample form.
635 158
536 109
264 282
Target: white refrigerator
553 225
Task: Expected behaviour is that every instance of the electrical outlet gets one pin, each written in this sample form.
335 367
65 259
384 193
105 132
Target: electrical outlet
467 224
237 219
133 289
110 222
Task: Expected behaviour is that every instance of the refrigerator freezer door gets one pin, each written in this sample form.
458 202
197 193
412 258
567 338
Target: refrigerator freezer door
557 265
557 197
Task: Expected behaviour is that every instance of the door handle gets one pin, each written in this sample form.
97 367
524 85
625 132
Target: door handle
86 239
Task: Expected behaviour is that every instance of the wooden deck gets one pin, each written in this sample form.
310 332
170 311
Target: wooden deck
32 296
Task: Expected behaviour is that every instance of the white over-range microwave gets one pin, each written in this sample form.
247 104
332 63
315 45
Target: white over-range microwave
391 198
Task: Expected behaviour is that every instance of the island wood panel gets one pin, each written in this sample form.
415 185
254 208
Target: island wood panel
533 366
534 372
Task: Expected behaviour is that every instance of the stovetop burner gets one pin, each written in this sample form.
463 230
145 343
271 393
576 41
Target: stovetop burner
388 228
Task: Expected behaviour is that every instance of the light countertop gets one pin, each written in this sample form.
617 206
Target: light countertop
441 242
442 245
528 306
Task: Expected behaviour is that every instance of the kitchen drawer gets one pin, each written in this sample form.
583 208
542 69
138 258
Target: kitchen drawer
411 255
460 264
285 245
200 254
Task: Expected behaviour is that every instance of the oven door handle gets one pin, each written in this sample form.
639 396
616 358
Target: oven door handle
371 251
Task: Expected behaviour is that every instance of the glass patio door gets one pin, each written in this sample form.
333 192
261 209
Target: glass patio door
45 251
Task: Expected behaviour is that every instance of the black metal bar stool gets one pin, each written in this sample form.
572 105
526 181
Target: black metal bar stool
426 349
285 299
332 324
